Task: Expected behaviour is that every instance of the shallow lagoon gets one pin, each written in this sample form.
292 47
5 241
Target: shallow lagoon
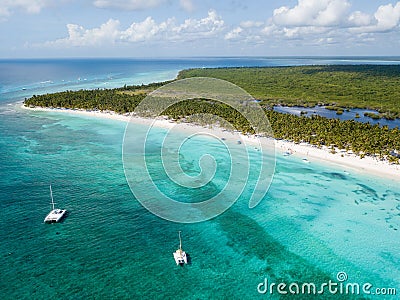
315 221
331 114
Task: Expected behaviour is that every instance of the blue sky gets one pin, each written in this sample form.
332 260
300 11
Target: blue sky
175 28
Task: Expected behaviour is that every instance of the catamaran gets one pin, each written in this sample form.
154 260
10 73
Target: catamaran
180 255
56 214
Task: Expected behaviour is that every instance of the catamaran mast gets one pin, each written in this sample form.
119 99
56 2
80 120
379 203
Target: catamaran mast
51 195
180 241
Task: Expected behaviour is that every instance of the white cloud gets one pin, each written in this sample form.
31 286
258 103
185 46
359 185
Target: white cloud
248 32
326 41
143 31
269 29
329 21
79 36
359 18
312 13
307 23
386 18
128 4
318 22
336 14
207 26
29 6
249 24
298 32
233 34
147 30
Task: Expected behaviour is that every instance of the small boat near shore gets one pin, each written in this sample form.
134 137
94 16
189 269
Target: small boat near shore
180 255
288 152
56 214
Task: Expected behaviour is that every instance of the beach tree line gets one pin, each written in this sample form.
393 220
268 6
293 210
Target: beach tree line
363 139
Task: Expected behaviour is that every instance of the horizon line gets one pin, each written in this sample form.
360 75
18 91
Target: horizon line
197 57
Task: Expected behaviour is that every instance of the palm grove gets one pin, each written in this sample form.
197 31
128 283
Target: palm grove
340 87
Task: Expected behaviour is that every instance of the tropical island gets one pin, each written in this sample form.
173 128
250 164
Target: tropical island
341 87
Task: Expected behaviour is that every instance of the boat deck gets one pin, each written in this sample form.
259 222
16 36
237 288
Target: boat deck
55 216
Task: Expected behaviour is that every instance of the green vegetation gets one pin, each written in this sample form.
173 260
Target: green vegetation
363 139
329 107
372 115
339 112
88 99
347 86
121 100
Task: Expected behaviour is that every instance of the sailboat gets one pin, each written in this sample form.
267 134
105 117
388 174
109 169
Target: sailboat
180 255
55 214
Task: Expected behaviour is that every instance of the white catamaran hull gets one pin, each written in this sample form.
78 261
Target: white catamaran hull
55 215
180 257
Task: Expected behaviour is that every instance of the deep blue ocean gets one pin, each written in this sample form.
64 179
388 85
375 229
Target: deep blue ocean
316 221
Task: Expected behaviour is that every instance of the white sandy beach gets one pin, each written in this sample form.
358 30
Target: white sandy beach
308 152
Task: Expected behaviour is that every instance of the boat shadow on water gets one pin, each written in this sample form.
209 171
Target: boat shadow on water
189 259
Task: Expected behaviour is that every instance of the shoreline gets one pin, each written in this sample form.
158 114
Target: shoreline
307 152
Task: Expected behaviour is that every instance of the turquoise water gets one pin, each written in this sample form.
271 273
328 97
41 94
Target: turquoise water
315 221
